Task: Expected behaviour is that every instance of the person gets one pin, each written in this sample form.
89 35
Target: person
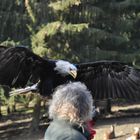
71 110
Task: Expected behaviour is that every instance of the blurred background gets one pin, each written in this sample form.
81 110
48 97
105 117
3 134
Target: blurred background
74 30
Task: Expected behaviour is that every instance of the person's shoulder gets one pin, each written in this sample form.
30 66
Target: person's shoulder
76 135
62 131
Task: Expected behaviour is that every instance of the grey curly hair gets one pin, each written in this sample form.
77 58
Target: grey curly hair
72 102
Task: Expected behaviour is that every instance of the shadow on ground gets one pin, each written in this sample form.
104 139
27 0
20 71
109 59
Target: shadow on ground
17 125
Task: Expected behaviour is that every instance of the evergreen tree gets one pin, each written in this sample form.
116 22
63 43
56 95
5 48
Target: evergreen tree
88 30
13 21
77 30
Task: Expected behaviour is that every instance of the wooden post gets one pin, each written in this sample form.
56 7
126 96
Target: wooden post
0 112
108 106
36 115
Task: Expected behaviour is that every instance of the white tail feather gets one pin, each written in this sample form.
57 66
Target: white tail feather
24 90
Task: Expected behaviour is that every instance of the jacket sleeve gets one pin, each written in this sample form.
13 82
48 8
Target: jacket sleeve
76 135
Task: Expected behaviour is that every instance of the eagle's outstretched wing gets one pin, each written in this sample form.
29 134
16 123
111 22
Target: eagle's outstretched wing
2 48
106 79
110 79
18 65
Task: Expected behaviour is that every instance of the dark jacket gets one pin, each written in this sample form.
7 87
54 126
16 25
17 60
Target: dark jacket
64 130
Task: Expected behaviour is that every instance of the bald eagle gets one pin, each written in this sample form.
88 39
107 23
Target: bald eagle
105 79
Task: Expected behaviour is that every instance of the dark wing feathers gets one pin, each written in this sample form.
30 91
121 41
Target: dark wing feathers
2 48
17 66
110 79
106 79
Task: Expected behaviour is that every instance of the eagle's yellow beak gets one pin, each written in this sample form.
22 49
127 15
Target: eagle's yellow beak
73 73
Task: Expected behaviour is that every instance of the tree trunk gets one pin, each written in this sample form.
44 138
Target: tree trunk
13 107
108 106
104 106
8 110
36 115
0 113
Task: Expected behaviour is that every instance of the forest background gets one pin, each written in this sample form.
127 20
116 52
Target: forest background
75 30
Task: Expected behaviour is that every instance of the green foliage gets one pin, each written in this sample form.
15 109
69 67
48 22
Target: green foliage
24 99
111 30
63 5
76 30
3 99
13 20
29 10
63 34
9 43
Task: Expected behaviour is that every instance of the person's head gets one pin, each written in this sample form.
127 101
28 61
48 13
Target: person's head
72 102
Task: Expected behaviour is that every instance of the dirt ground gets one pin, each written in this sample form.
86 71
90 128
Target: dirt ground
123 127
124 117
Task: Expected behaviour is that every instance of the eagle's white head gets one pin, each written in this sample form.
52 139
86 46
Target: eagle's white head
65 68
